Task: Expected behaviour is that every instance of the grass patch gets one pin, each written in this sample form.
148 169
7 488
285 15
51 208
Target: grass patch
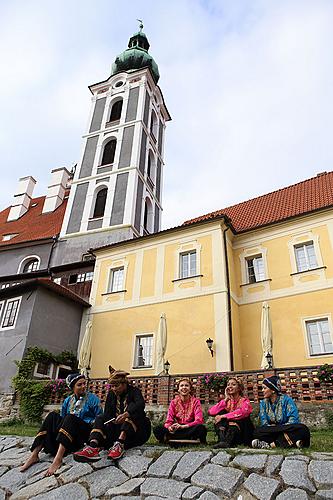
321 440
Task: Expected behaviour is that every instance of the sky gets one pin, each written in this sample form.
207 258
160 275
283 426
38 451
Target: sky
249 86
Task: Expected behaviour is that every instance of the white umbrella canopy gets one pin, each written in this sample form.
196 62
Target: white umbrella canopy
85 350
161 343
266 335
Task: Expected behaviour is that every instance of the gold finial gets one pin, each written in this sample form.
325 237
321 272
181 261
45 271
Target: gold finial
141 24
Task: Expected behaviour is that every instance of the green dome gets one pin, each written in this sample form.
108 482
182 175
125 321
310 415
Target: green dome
136 57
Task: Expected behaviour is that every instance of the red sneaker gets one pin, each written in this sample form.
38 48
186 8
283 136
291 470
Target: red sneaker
116 451
88 454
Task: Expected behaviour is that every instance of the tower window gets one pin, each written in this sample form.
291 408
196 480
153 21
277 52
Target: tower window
109 152
100 203
116 110
148 217
31 265
153 125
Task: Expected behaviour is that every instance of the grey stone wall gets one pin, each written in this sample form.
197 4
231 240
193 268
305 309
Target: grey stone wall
98 115
132 105
126 147
75 217
88 157
10 259
119 200
13 341
138 205
72 249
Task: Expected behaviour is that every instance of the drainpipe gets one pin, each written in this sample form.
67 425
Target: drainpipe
231 351
55 239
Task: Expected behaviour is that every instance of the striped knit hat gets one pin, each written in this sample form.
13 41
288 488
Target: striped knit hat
273 383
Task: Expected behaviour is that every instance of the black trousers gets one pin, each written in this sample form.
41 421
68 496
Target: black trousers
106 434
195 432
237 431
71 431
284 436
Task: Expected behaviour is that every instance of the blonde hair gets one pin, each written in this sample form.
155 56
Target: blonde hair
239 383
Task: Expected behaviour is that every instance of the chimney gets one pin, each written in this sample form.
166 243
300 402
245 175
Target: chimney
56 190
22 198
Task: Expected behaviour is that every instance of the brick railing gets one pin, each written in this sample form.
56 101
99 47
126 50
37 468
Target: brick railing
302 384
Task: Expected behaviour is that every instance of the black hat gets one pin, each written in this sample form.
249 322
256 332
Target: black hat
73 378
273 383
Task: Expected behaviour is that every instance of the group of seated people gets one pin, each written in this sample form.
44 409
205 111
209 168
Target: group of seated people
124 424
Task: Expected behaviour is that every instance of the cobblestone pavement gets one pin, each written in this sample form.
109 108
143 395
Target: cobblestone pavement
155 472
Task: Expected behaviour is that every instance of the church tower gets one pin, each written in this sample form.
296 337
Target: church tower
116 190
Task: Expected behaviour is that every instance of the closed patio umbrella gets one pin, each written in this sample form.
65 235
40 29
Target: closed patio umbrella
161 343
266 335
85 350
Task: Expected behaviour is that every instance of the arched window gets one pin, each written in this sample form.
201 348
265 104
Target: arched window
109 152
30 266
153 124
100 203
151 167
148 217
116 110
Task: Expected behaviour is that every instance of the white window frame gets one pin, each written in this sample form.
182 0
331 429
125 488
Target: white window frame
111 278
306 336
41 375
69 368
16 314
305 246
25 260
2 303
185 246
135 354
188 270
301 239
253 258
249 253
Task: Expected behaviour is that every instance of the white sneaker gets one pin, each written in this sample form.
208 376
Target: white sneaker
256 443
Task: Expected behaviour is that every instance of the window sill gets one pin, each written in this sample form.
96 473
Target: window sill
308 270
106 165
320 355
112 293
112 124
188 277
256 282
142 367
95 218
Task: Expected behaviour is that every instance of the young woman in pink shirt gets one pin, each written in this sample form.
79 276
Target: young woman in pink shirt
233 425
184 419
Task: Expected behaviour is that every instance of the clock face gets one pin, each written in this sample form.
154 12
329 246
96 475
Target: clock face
119 84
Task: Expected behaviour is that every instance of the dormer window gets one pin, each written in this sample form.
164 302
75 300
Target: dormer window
7 237
31 266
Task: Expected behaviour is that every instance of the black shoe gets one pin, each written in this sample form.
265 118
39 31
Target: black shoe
221 444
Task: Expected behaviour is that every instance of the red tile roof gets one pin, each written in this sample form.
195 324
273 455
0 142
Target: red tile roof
299 199
33 225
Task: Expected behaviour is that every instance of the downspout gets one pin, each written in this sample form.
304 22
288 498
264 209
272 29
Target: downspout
231 350
55 239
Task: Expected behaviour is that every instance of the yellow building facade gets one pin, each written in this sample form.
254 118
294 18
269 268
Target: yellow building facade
211 281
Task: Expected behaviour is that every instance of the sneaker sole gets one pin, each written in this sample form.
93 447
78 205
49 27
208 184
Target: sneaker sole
111 458
79 458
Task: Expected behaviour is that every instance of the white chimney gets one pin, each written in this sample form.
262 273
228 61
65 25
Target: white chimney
22 198
56 190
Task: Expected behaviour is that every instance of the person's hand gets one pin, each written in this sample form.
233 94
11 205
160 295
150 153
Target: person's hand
226 394
172 428
218 418
121 418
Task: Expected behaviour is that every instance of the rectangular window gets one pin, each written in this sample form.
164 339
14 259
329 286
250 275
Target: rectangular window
255 269
89 276
305 256
319 337
72 279
10 315
188 264
5 285
117 280
143 351
81 278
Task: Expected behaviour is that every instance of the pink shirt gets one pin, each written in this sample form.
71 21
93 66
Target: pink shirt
180 412
236 410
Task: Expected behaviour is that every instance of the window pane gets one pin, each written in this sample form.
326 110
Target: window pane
31 265
10 313
109 152
143 354
319 337
188 264
300 259
311 255
89 276
117 278
116 111
100 203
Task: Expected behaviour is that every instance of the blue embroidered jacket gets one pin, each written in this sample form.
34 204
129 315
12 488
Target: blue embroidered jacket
283 411
91 407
